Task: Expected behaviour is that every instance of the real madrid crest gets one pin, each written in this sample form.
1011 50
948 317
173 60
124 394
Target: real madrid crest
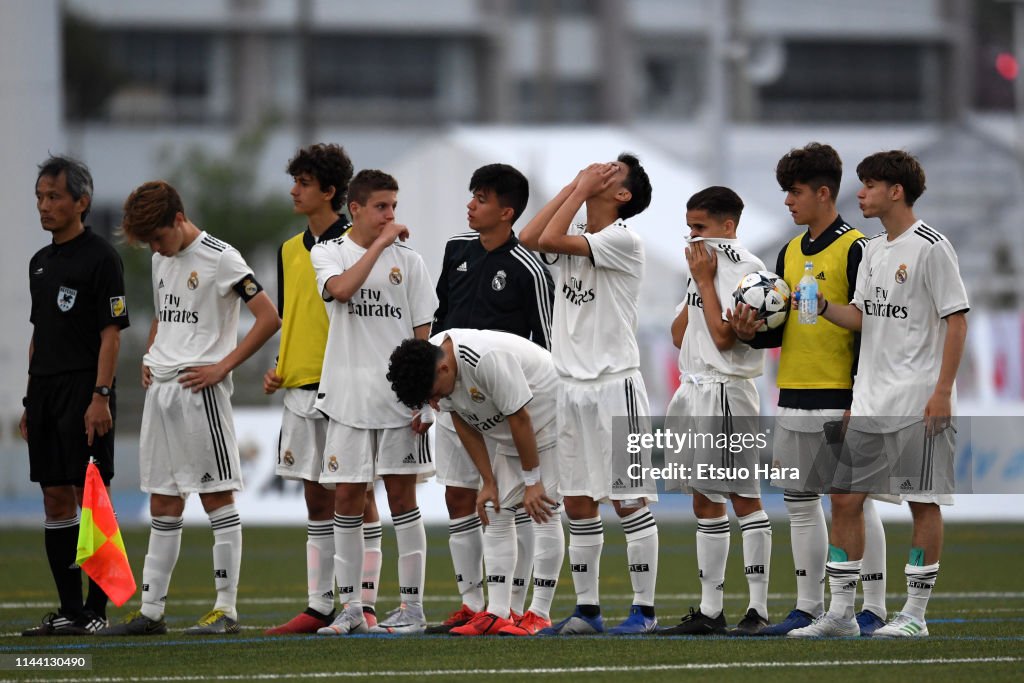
249 287
498 282
332 464
396 276
901 274
475 394
193 280
289 459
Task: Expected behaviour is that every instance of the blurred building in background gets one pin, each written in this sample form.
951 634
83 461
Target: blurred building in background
714 92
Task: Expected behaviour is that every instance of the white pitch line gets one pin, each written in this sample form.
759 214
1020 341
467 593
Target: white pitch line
980 595
533 671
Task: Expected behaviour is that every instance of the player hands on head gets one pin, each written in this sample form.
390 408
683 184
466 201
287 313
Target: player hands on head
501 390
596 354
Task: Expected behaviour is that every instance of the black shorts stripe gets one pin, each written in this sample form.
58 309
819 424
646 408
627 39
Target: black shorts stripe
425 456
633 422
220 450
728 457
926 462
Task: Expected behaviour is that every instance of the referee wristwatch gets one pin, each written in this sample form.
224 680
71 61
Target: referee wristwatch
103 390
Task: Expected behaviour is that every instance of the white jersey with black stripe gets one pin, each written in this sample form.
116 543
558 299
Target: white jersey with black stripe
698 354
499 373
905 289
196 302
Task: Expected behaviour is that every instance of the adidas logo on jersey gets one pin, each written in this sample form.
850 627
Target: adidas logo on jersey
906 486
462 267
409 459
206 478
820 276
618 484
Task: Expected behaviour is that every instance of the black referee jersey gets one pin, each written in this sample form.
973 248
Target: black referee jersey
77 290
507 289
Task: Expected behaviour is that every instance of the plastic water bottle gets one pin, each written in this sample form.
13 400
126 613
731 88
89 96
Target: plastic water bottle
808 296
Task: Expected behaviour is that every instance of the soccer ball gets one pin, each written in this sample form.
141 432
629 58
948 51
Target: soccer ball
768 294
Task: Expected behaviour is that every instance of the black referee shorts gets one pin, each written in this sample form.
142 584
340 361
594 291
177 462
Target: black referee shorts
58 450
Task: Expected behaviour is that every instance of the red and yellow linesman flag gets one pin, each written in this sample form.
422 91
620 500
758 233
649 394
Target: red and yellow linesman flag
101 552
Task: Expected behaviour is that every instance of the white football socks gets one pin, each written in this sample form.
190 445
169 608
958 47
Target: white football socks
164 546
809 539
320 564
586 540
466 542
524 560
712 553
411 539
642 554
757 555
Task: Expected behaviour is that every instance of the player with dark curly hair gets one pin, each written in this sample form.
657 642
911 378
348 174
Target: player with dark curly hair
411 371
501 391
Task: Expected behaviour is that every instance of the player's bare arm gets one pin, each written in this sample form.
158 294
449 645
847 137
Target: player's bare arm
267 323
703 266
530 235
98 420
344 286
679 326
147 374
743 321
535 501
844 315
592 180
476 448
939 408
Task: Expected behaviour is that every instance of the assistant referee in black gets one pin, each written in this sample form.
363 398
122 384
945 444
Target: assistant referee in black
78 312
